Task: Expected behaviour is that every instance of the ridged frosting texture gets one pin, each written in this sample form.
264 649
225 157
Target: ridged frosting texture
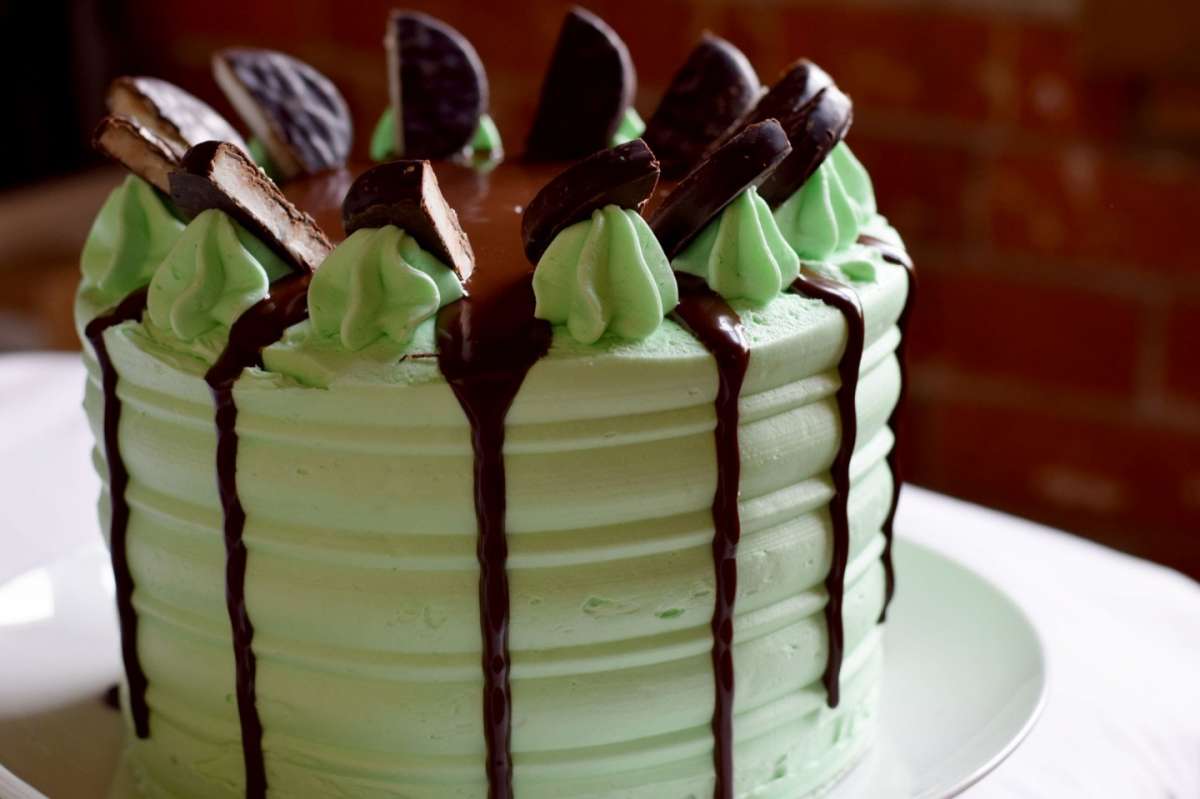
362 579
825 215
741 254
214 273
129 239
605 274
378 283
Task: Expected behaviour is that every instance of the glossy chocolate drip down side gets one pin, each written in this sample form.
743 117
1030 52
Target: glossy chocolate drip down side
129 310
486 344
845 301
897 256
715 325
261 325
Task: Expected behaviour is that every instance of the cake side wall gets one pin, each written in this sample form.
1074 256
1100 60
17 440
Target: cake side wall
362 577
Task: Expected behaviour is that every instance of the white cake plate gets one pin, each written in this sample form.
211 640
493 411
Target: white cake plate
965 681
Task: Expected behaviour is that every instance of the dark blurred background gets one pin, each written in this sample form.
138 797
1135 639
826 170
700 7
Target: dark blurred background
1041 157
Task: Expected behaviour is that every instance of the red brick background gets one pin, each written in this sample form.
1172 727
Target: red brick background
1043 163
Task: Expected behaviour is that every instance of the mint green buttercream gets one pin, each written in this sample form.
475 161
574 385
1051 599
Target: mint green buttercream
485 141
132 234
825 215
607 273
212 275
630 128
378 283
383 138
260 155
742 254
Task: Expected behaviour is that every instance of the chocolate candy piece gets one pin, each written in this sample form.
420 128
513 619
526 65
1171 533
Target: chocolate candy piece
406 194
709 94
588 86
437 86
624 176
744 161
815 114
137 149
175 116
297 113
219 175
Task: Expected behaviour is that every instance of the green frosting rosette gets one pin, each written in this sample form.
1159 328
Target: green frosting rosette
214 273
605 274
824 217
742 254
129 239
377 284
383 139
631 127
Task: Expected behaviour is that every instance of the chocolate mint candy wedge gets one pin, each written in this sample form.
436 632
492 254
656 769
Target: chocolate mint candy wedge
588 86
624 176
744 161
175 116
437 85
219 175
815 114
709 94
406 194
297 113
137 149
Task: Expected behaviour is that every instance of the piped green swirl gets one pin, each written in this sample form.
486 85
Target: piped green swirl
214 273
605 274
129 239
825 215
630 128
484 143
742 254
378 283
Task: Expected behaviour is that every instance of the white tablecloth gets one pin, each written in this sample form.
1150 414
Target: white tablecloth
1122 636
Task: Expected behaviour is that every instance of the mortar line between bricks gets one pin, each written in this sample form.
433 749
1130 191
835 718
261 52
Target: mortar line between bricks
1150 369
939 383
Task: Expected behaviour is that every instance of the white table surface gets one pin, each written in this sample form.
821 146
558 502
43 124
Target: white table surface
1122 636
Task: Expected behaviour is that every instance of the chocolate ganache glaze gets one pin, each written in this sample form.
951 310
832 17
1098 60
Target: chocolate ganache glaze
261 325
898 256
486 343
717 326
129 310
845 301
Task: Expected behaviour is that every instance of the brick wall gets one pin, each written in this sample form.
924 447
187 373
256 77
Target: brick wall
1049 198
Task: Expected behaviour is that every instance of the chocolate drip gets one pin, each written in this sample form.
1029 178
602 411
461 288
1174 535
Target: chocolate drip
717 326
130 309
260 326
842 297
486 344
895 255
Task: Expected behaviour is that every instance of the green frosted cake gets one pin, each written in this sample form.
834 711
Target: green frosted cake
569 474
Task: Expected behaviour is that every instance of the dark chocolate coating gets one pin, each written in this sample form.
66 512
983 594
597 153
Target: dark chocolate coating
182 118
406 194
588 85
624 176
443 89
744 161
305 111
709 94
813 137
220 175
816 116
